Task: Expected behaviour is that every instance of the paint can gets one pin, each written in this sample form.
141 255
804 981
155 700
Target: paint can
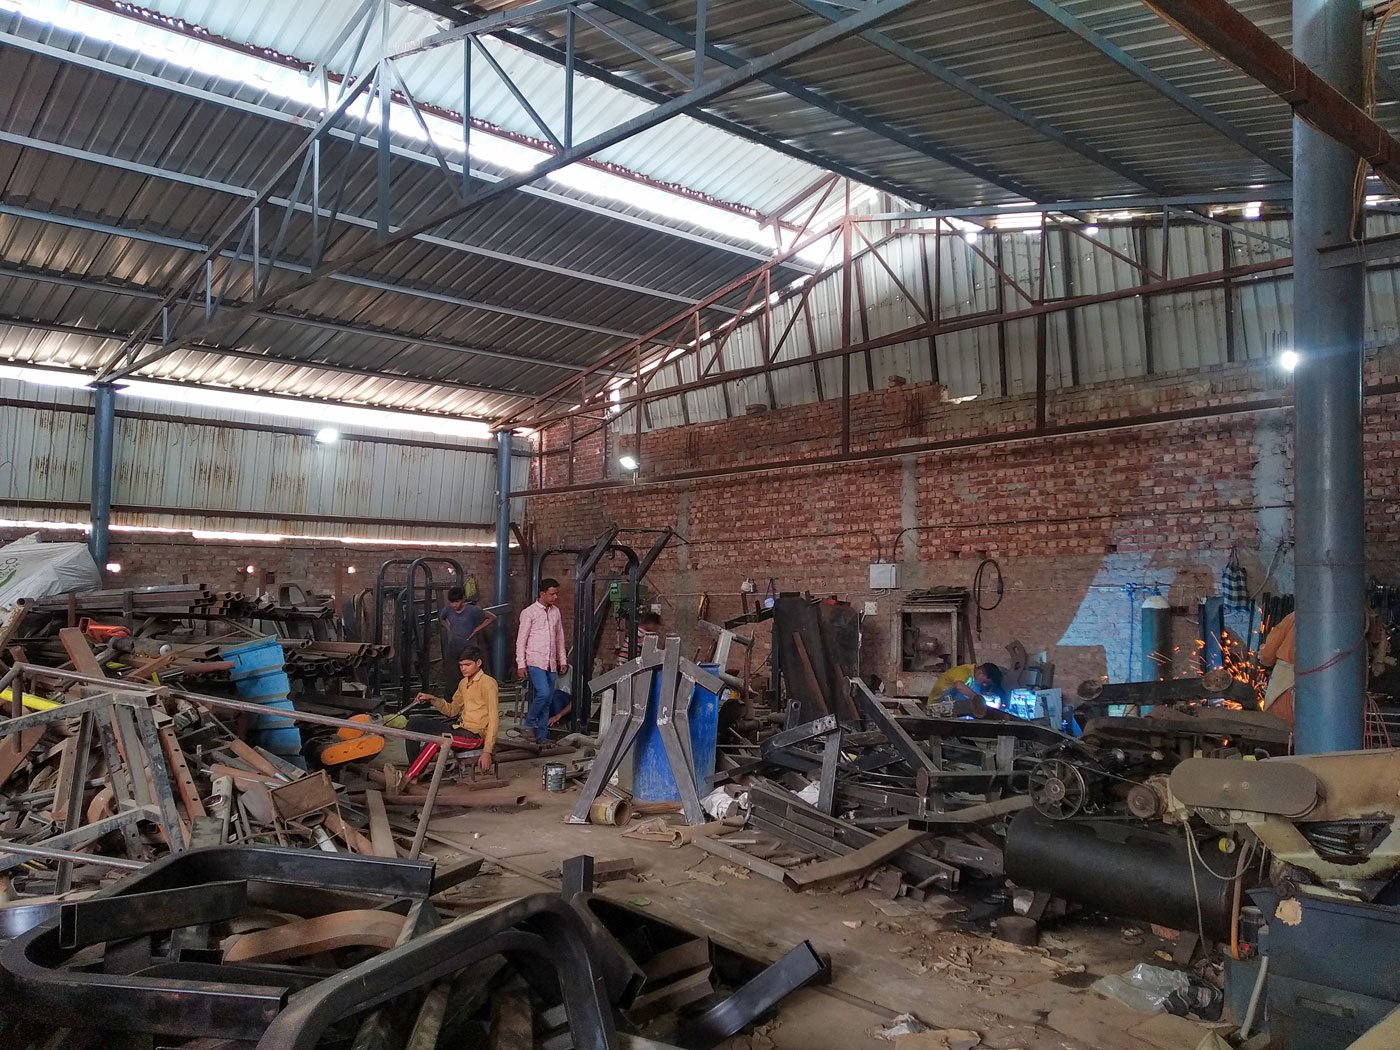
616 812
552 776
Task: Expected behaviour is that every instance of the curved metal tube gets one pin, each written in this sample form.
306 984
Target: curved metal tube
557 937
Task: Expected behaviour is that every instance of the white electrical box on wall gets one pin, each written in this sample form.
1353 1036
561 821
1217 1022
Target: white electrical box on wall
884 576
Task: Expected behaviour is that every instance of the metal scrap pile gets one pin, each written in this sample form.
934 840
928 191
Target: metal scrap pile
100 775
279 949
179 631
909 802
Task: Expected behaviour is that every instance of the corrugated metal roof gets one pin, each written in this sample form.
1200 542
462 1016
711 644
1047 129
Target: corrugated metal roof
1010 49
137 229
432 311
682 151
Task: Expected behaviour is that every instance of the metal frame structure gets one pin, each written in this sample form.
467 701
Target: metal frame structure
268 234
581 403
298 229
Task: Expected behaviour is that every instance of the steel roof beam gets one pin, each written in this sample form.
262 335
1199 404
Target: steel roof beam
280 116
88 285
128 359
545 48
170 175
1215 26
348 329
106 229
1160 84
940 71
249 355
1280 192
841 110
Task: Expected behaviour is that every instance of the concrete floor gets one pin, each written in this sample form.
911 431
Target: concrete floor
947 971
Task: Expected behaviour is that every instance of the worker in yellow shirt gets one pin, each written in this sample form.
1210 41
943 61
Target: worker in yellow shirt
473 711
969 680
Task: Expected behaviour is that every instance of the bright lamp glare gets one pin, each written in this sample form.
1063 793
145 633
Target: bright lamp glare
327 436
1288 360
628 462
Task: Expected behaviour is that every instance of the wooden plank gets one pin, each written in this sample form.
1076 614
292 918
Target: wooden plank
75 644
381 838
857 862
512 1023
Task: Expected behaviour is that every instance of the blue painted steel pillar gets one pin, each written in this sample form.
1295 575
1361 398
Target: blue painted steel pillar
1328 317
500 653
103 438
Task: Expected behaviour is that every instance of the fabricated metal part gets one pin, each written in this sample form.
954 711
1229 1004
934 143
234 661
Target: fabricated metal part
1058 789
203 883
1018 929
558 939
101 919
1124 870
1143 802
1335 817
800 965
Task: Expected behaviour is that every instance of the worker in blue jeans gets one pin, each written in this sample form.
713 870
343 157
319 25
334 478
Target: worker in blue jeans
540 657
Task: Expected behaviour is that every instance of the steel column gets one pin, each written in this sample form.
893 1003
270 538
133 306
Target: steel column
103 434
1328 317
500 660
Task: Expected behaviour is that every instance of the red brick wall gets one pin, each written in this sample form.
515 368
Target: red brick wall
149 558
1070 519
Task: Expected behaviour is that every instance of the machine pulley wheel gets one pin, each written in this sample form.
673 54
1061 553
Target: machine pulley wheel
1057 789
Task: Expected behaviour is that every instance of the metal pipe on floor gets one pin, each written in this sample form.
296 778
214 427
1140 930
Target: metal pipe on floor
1328 320
500 659
103 435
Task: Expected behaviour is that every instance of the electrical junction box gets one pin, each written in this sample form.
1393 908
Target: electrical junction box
884 576
871 608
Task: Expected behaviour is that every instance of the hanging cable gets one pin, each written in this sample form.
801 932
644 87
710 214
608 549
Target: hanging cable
977 581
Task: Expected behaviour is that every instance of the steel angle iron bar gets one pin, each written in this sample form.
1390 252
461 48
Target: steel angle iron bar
712 88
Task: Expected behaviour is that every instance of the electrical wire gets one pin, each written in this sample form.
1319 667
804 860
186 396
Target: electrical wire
977 590
1195 886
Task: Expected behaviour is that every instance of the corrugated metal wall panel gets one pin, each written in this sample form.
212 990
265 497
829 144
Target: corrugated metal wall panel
206 469
1110 339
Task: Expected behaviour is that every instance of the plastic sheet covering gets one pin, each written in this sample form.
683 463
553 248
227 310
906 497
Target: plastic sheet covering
31 569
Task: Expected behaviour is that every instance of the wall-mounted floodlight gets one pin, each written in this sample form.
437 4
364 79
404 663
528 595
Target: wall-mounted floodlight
327 436
628 462
1288 360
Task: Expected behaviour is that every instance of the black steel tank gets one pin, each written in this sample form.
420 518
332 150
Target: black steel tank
1122 869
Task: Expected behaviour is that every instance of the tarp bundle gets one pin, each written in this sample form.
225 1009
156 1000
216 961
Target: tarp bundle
31 569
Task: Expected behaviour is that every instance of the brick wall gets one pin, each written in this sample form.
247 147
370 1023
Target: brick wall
1071 519
148 559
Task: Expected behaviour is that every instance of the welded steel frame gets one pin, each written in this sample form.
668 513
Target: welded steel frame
268 234
684 339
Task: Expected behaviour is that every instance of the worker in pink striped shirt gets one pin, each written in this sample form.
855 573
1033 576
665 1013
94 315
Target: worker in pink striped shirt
540 656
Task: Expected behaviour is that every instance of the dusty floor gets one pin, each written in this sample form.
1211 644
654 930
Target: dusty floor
947 971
